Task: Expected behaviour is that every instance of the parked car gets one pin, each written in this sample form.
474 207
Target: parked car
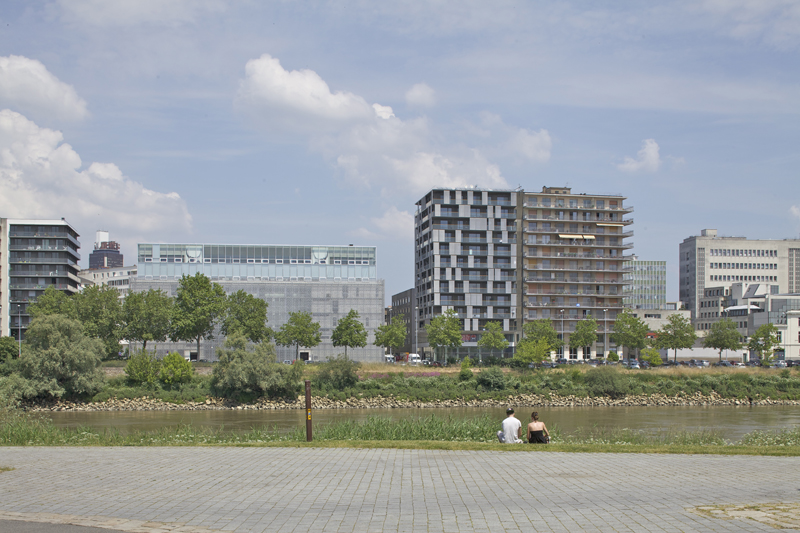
633 364
548 364
723 363
562 361
644 364
779 364
287 361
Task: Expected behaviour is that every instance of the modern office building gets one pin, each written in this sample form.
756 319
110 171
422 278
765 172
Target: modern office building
466 260
515 256
646 284
327 281
710 260
574 261
118 278
106 253
34 255
403 305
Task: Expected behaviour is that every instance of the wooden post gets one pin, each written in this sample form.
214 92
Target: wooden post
308 411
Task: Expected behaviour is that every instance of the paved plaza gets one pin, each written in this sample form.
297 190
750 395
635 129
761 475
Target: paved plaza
320 490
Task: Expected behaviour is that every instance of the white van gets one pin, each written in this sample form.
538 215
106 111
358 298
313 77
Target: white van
414 359
389 358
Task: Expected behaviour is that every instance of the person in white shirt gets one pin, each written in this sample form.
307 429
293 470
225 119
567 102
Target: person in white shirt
512 429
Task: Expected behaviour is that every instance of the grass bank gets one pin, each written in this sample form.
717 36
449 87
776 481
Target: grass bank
430 432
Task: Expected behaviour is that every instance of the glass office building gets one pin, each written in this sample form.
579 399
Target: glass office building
327 281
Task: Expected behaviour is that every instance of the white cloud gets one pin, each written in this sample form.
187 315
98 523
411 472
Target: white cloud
133 12
795 211
383 111
393 225
775 22
421 95
40 177
647 159
27 86
535 145
300 99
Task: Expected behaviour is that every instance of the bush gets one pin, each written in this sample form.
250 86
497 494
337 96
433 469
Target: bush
338 374
465 374
492 360
58 359
143 367
613 356
652 356
492 379
175 369
466 363
606 382
244 373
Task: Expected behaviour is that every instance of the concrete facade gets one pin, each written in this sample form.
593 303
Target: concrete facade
403 305
118 278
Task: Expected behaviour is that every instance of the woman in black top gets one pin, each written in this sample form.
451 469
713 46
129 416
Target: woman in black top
537 431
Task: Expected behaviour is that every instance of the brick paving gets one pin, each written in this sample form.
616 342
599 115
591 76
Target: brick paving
338 490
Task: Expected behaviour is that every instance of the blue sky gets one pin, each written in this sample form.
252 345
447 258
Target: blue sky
322 123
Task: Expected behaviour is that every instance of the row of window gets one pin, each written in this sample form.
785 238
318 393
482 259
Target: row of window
743 253
744 278
742 266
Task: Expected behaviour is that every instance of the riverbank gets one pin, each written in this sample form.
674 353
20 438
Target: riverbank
518 400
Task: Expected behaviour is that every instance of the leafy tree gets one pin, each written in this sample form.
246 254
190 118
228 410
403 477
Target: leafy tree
9 349
629 331
143 367
175 369
99 309
652 356
339 374
764 342
58 358
542 329
493 337
147 316
391 335
197 308
585 334
349 332
466 362
247 315
244 370
444 330
613 356
299 331
723 335
53 302
677 334
532 351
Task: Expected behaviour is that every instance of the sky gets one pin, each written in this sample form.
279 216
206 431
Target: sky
295 122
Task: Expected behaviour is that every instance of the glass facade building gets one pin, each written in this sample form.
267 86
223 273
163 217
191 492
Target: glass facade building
646 284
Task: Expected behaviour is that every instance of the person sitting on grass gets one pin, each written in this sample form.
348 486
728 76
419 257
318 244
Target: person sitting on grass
512 429
537 431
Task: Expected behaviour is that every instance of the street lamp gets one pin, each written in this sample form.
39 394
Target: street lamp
416 327
562 333
605 332
19 329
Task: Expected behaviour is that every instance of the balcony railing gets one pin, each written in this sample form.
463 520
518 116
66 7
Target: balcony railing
43 260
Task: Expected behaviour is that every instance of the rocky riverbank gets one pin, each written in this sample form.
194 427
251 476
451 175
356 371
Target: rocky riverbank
522 400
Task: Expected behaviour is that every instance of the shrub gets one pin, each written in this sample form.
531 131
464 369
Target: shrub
465 374
59 359
143 367
607 382
175 369
466 363
652 356
492 361
492 379
339 374
612 356
242 372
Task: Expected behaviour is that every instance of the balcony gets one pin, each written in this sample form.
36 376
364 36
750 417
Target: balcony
38 261
38 287
45 235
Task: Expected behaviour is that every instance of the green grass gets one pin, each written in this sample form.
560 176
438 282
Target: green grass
430 432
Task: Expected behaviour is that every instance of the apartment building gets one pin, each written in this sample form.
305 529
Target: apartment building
34 255
574 261
646 284
327 281
118 278
403 305
106 252
514 256
713 261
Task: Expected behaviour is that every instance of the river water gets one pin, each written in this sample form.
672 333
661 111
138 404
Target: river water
730 422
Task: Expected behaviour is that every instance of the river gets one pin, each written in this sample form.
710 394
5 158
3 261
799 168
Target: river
731 422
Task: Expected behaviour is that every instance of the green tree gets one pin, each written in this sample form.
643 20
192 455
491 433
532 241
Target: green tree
652 356
299 331
444 331
198 306
247 315
391 335
585 334
723 335
175 369
531 350
764 342
542 329
99 309
612 356
338 374
9 349
58 358
143 367
244 370
53 302
349 332
677 334
629 331
147 316
492 337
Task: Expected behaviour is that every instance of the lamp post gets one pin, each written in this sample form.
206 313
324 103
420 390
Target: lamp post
19 329
563 340
416 327
605 332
